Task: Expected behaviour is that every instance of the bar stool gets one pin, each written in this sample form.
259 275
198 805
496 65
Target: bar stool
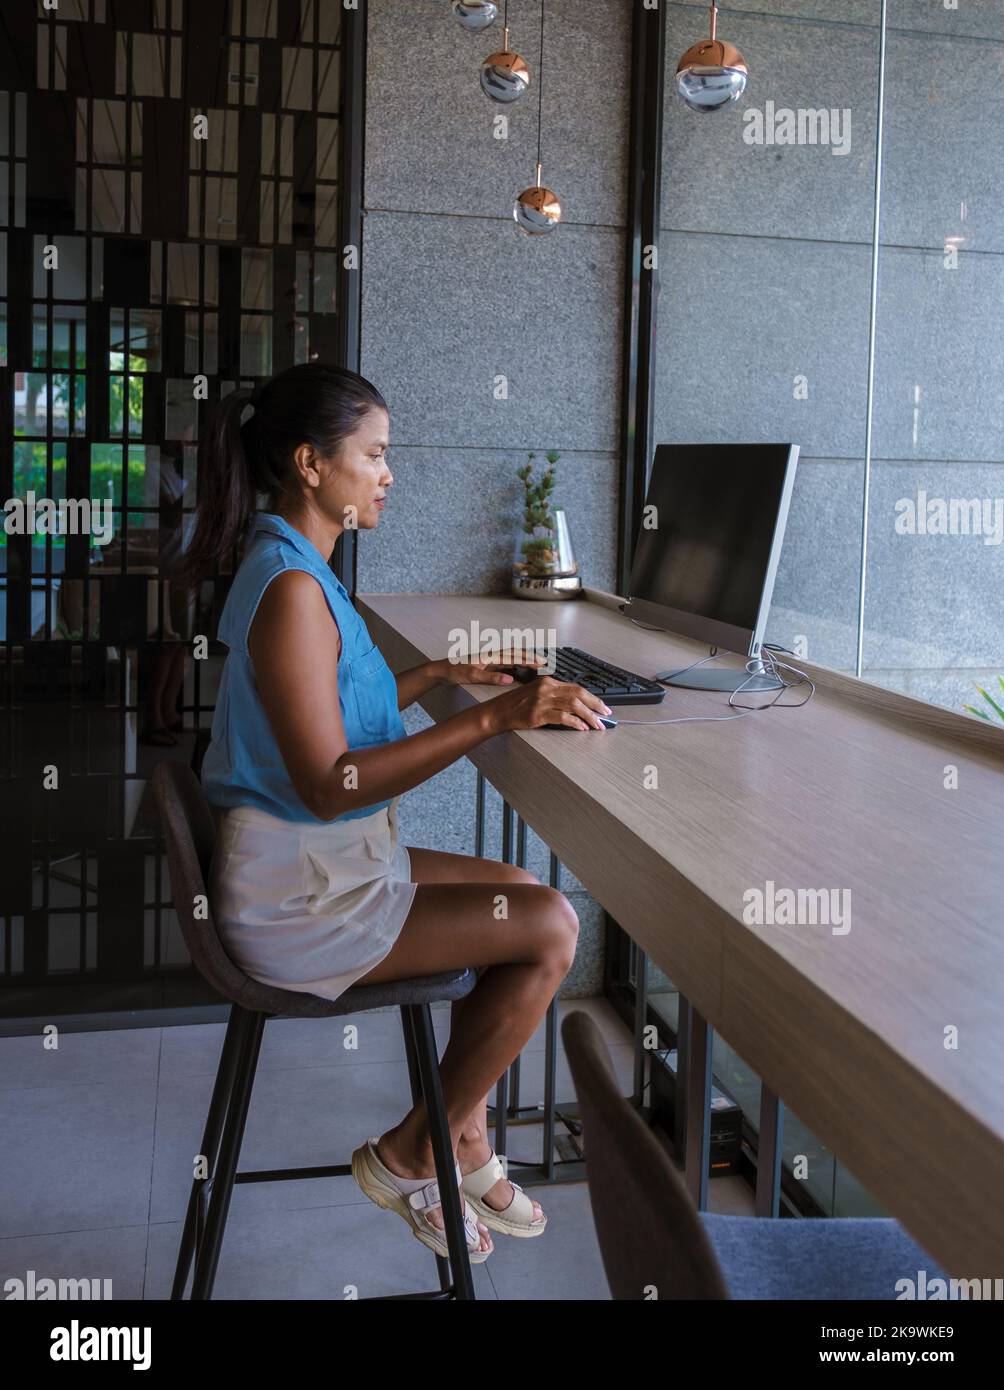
190 834
653 1239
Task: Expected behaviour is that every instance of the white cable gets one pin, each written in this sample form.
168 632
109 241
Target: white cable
774 666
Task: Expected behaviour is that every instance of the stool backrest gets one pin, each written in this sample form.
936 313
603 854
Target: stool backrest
651 1238
190 836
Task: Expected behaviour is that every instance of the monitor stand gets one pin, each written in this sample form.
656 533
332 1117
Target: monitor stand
705 678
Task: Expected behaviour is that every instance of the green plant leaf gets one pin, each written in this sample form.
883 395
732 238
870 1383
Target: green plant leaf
997 709
991 702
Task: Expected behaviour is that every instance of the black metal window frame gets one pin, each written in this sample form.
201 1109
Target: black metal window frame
641 280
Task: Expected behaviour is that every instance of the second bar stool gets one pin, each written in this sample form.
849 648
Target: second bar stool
190 834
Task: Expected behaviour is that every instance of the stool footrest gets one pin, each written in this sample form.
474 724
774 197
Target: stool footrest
432 1295
333 1170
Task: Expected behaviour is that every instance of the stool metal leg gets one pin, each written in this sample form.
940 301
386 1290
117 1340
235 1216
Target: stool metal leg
250 1027
479 818
501 1110
550 1064
415 1080
514 1084
521 842
550 1048
640 1019
442 1147
502 1088
414 1076
693 1076
768 1168
572 1170
507 824
514 1066
222 1090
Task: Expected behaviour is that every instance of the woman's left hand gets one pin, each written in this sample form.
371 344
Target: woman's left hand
486 672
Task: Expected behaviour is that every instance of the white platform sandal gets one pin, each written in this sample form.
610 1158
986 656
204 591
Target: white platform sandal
412 1198
514 1220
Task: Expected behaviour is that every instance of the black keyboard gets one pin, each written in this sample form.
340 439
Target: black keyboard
614 685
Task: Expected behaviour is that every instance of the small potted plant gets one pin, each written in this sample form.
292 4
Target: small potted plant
544 566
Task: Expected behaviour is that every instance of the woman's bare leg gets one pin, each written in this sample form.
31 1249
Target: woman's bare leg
435 866
531 949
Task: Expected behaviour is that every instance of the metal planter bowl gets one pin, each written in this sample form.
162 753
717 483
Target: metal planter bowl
546 586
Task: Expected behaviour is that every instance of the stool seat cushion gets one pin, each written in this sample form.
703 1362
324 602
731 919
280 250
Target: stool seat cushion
425 989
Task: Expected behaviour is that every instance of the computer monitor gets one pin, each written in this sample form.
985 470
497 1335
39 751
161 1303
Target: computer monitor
708 550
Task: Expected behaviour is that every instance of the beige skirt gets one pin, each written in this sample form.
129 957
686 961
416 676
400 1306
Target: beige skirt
309 907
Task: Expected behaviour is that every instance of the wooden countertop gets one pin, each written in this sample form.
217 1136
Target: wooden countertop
887 1040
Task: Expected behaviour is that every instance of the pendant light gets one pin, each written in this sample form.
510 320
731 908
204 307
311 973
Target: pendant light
537 209
475 15
712 73
504 75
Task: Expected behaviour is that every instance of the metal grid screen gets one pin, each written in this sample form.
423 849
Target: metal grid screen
169 229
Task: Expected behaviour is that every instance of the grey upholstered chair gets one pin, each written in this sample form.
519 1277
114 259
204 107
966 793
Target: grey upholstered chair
652 1238
190 833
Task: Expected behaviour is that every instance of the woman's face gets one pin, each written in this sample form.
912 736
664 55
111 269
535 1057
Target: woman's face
359 477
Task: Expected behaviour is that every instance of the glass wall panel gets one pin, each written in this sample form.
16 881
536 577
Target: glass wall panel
765 260
934 600
771 223
768 213
764 282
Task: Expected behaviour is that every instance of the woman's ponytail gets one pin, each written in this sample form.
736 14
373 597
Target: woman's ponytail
226 492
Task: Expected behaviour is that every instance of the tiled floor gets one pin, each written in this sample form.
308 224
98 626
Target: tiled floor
98 1137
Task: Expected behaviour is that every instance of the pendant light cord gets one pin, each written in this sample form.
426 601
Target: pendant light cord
540 77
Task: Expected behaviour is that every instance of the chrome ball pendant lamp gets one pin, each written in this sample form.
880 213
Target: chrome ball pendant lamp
711 74
475 15
537 210
504 75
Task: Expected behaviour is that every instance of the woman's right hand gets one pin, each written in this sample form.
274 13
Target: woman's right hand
545 700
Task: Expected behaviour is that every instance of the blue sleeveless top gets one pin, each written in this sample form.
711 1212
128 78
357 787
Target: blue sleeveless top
243 765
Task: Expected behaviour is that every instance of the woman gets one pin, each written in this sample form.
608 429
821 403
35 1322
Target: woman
309 757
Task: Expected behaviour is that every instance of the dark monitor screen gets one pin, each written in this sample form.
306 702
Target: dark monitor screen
717 506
